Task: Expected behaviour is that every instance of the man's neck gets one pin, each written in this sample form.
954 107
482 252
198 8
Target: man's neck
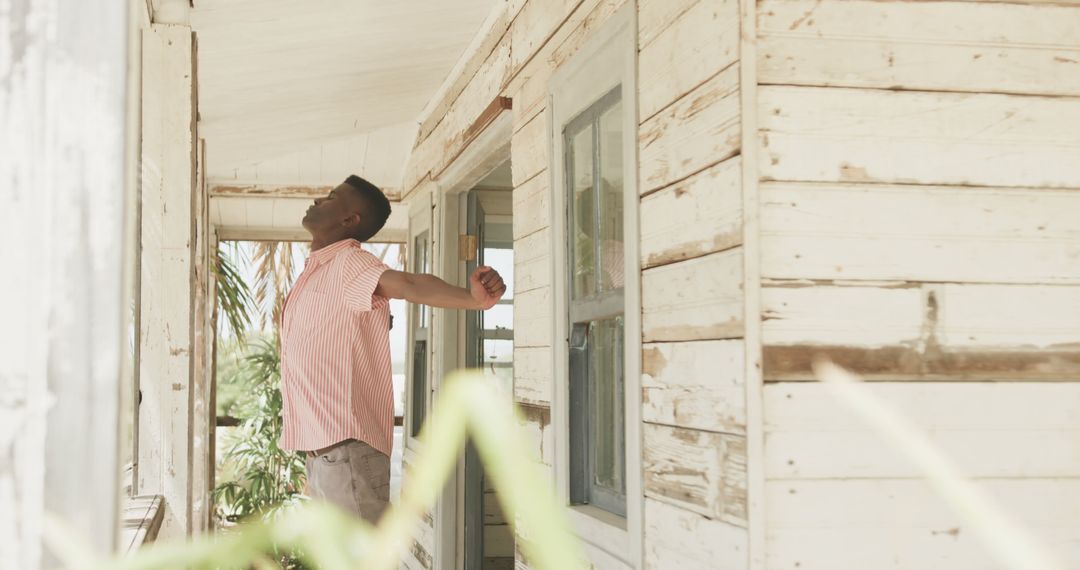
319 242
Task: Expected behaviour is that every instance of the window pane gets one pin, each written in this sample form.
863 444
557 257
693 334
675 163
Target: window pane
607 404
419 395
498 317
610 216
498 364
582 213
503 262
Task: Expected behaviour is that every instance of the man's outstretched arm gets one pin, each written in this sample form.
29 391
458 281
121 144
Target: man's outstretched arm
486 287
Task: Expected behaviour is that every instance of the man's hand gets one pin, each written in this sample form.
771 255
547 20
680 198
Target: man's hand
486 287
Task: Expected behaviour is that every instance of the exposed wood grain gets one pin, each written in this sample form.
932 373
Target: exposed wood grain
534 25
848 231
264 190
696 46
695 132
536 424
906 525
703 472
530 85
654 16
700 215
877 136
896 331
696 385
951 46
676 538
991 429
692 300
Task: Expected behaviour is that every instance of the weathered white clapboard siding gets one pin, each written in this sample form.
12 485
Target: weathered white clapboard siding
693 48
904 330
949 46
532 210
534 25
655 16
871 135
700 471
676 538
533 375
695 385
529 148
532 261
532 318
700 215
991 429
529 88
536 425
692 300
695 132
903 524
848 231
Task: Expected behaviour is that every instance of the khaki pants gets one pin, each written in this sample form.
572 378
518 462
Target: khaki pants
352 476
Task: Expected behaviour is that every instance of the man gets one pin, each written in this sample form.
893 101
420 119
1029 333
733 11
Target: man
335 348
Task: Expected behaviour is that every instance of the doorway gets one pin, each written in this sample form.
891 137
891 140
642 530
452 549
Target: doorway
489 346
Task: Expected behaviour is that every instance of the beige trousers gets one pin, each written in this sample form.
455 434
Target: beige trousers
352 476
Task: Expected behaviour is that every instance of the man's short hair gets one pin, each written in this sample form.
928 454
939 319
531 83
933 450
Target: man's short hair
376 207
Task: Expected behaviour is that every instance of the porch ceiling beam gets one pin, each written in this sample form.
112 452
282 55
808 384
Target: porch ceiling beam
282 191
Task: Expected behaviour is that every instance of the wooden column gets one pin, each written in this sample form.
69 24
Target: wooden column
62 116
167 375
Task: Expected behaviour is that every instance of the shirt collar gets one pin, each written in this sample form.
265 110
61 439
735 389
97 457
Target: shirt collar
327 252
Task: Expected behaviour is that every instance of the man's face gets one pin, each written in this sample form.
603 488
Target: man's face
337 211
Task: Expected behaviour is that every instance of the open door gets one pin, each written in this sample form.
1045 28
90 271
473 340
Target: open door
489 339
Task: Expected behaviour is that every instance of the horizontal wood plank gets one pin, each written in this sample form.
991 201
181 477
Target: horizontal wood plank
529 149
698 385
880 136
990 429
533 379
859 231
696 46
703 472
905 524
532 318
951 46
532 209
697 299
677 538
695 132
700 215
532 261
654 16
922 331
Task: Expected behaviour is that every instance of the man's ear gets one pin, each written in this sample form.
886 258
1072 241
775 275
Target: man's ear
352 220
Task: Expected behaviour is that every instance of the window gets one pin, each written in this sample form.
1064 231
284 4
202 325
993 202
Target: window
421 263
593 154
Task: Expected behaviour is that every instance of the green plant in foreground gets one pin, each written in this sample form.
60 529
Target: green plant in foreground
326 538
268 478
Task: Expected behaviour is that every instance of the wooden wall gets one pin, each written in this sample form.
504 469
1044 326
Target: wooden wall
920 224
693 380
694 448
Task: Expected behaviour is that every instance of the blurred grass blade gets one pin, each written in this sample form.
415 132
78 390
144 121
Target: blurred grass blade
1012 544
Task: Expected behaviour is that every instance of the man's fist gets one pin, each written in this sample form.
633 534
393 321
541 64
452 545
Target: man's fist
486 287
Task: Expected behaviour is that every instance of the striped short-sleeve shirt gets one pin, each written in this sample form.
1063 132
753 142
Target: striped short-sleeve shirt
336 381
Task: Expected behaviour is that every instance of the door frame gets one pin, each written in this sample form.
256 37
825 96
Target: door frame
489 149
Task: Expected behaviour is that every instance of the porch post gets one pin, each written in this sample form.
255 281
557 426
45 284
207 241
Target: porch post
167 374
62 116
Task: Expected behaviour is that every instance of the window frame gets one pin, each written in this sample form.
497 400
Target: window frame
606 61
420 224
583 313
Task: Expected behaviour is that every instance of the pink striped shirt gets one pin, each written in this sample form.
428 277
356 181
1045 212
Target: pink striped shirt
336 381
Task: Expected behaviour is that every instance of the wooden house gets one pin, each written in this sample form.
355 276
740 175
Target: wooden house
694 199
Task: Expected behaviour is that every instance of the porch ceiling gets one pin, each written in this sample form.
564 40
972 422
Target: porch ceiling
280 81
